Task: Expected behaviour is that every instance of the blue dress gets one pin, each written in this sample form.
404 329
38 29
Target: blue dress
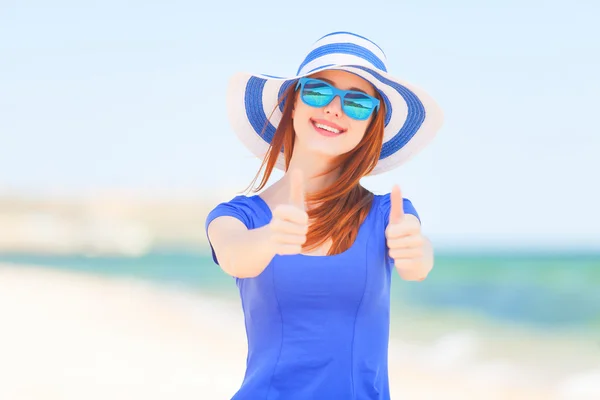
317 326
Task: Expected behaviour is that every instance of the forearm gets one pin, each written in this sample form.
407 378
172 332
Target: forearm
248 253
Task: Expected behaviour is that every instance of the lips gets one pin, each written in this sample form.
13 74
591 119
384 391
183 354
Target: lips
327 128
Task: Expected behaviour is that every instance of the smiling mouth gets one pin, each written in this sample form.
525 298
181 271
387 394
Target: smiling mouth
326 129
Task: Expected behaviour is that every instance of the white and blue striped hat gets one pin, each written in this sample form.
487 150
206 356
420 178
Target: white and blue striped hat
412 118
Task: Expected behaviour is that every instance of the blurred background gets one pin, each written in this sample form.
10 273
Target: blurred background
115 144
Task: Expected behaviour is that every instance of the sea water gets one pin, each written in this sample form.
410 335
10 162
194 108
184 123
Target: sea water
498 315
552 291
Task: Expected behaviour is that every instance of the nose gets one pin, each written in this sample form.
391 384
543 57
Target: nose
335 107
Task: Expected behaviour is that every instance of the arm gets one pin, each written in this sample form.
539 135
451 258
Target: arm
245 253
242 252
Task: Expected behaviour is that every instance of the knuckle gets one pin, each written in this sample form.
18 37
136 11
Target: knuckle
304 217
278 239
299 239
280 250
285 227
283 211
399 231
303 238
275 225
415 226
419 240
294 215
406 264
279 210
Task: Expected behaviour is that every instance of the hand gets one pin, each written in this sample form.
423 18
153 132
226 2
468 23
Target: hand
289 225
404 239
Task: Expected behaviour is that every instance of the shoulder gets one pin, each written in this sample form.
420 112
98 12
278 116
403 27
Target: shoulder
383 205
239 201
244 208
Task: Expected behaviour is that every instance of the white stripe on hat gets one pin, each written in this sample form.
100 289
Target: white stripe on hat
343 37
335 59
337 51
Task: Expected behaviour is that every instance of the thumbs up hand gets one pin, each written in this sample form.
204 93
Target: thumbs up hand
410 250
289 225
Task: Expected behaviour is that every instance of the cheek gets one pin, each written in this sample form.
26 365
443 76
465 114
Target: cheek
301 109
300 115
359 129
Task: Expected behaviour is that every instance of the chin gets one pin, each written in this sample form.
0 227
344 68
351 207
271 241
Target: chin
322 145
326 154
327 150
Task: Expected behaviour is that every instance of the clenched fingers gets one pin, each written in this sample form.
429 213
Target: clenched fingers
406 242
283 226
414 253
291 213
408 226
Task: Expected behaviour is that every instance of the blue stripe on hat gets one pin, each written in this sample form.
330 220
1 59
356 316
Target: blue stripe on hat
414 118
282 90
354 34
388 107
255 111
344 48
320 67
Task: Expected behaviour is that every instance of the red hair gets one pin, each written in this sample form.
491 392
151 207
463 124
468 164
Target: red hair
344 205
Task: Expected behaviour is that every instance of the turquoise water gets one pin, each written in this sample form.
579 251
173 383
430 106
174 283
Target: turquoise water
540 290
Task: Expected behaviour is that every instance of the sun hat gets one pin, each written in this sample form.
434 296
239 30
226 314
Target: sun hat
412 117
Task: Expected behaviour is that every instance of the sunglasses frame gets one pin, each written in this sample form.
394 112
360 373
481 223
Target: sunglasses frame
337 92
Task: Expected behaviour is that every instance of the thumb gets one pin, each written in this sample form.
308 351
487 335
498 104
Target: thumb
397 208
297 188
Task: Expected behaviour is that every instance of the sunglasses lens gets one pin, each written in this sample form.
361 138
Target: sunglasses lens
317 93
358 106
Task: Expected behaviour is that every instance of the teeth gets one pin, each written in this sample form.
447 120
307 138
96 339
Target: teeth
327 128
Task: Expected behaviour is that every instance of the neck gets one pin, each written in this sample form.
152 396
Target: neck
313 165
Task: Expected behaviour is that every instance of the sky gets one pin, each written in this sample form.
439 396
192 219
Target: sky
112 95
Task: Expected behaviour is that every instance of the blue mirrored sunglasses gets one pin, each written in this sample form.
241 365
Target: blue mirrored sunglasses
318 93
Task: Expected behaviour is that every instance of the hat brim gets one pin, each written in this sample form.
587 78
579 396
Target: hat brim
412 118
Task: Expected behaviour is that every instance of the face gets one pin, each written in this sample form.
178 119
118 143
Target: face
327 130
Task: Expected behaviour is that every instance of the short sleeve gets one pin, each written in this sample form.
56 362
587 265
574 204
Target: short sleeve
239 207
385 208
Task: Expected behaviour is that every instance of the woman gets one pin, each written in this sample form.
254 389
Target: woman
313 253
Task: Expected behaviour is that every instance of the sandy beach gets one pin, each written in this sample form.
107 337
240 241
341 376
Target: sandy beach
78 336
